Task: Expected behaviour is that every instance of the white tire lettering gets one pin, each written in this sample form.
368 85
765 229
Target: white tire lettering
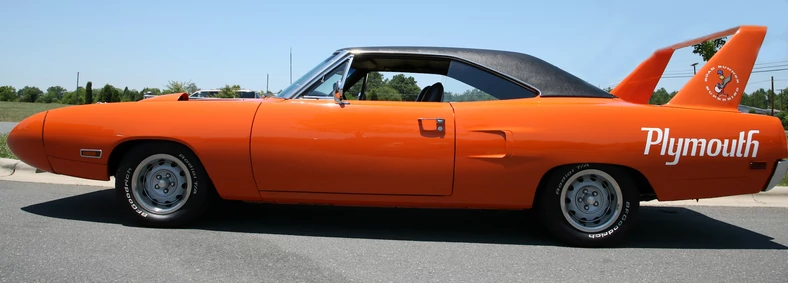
624 214
567 175
127 189
195 184
563 180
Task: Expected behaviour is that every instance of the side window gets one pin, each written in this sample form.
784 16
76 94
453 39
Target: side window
404 86
325 86
461 91
487 83
448 81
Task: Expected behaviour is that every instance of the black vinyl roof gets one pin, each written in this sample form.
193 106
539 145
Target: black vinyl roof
547 78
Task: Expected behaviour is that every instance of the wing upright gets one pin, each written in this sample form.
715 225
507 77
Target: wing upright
719 84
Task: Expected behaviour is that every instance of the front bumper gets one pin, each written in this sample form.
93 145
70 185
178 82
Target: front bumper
777 175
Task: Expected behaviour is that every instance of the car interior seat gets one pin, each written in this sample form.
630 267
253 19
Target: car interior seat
421 94
434 93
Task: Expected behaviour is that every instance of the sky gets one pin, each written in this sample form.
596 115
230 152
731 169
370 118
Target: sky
145 43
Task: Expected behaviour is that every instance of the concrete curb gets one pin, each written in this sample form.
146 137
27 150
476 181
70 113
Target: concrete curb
777 197
8 166
15 170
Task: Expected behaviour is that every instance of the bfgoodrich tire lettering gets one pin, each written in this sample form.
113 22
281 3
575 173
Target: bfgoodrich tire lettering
589 205
163 185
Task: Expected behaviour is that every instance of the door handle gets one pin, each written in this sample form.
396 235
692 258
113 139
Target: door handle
439 122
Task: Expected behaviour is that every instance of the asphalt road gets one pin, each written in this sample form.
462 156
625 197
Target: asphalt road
6 127
73 233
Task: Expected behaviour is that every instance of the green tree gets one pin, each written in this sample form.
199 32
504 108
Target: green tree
153 91
8 93
137 95
125 95
53 94
107 93
374 82
708 48
745 99
758 98
89 93
57 91
468 95
782 98
660 97
129 95
74 97
175 86
191 87
388 93
228 91
116 94
178 86
29 94
406 86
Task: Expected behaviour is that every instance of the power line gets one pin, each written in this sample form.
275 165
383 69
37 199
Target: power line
753 72
777 66
754 69
765 81
676 72
768 63
687 74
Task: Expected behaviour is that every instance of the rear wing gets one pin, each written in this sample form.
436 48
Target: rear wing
718 85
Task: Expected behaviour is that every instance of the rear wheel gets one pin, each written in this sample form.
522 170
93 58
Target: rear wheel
163 185
589 205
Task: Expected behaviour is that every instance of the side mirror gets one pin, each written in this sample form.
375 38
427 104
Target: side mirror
338 94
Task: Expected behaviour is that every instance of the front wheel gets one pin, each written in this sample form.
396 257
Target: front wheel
589 205
162 185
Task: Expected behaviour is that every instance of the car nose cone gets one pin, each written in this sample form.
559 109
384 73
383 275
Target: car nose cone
26 142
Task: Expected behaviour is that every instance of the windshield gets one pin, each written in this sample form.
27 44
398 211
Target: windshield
302 80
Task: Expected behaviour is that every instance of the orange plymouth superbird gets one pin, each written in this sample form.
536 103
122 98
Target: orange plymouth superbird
490 130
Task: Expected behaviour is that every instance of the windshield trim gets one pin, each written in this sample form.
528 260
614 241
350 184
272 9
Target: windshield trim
312 76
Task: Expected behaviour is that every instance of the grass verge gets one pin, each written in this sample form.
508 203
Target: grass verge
4 151
784 181
18 111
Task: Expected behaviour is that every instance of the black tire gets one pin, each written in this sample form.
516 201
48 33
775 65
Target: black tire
549 204
191 183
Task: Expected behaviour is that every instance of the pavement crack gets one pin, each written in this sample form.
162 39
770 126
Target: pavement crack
755 200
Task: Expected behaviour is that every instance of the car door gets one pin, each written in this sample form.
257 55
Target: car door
356 147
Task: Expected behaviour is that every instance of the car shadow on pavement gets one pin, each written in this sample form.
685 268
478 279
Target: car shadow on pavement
659 227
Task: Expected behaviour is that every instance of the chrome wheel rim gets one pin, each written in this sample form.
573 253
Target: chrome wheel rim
161 184
591 201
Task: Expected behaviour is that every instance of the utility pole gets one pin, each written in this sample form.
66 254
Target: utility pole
266 83
772 96
693 68
76 90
